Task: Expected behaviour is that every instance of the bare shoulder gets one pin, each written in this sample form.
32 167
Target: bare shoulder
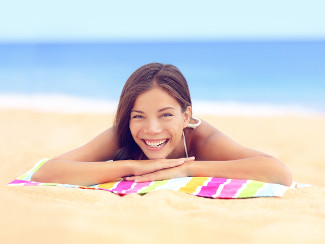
209 143
202 134
103 147
204 131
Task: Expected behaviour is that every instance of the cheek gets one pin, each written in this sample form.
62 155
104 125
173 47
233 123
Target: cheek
134 129
177 132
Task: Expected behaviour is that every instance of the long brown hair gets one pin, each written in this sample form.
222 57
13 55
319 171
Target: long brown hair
147 77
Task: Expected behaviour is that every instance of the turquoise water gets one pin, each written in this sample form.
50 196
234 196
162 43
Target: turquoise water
251 72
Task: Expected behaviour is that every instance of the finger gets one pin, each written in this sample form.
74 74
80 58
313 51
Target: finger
137 179
170 163
190 158
141 179
130 178
179 162
145 178
187 159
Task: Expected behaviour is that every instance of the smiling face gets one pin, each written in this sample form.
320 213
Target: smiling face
156 124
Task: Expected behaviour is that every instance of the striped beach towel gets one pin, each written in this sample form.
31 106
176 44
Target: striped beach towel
199 186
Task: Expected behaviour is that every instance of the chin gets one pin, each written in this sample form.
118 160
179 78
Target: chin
156 154
150 156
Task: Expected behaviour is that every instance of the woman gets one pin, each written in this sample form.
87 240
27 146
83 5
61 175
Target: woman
155 137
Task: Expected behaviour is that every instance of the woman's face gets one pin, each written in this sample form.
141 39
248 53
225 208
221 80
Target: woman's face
157 122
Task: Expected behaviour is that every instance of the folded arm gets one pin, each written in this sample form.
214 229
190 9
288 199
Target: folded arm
260 168
91 173
91 164
219 156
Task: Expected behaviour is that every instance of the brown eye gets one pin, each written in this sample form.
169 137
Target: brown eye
167 115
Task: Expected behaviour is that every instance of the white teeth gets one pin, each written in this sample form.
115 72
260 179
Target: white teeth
159 143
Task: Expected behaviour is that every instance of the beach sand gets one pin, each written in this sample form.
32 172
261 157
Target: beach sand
44 214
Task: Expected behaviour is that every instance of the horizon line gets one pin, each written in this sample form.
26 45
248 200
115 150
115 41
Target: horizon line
185 40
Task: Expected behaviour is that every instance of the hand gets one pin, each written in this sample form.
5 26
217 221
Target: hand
142 167
163 174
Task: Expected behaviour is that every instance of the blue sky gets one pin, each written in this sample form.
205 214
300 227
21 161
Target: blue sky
106 20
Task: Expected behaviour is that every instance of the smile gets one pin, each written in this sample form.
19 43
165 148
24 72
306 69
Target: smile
155 144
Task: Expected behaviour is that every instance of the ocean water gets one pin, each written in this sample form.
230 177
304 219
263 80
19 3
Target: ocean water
234 77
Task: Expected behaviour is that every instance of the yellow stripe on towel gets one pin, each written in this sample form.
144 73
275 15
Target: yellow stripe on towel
108 185
193 184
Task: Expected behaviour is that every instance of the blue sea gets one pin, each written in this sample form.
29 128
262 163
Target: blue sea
225 77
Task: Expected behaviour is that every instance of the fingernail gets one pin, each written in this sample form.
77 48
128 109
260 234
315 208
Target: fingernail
182 161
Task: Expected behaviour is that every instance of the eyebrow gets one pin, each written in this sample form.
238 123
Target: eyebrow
160 110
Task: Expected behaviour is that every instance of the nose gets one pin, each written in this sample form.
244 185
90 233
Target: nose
152 127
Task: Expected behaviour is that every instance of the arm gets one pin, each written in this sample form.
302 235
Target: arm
91 173
260 168
81 173
87 165
219 156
